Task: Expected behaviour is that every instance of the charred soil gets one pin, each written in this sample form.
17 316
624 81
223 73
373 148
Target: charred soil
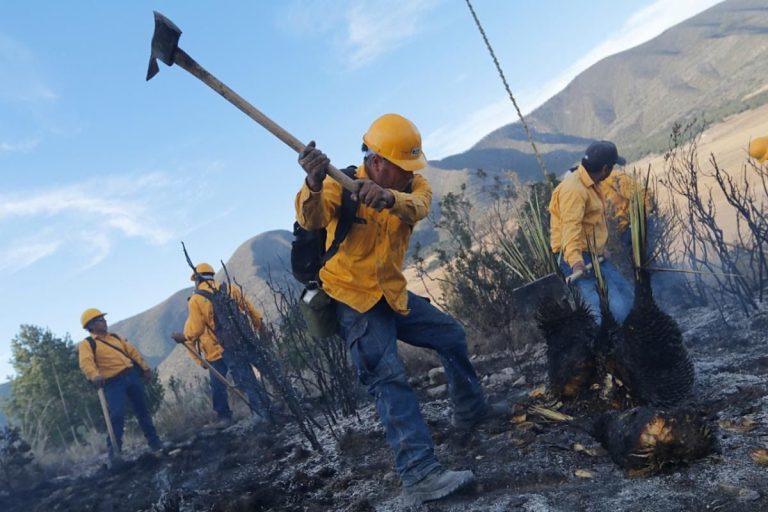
526 464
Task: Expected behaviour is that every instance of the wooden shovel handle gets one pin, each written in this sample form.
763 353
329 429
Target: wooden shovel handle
182 59
573 277
221 378
108 419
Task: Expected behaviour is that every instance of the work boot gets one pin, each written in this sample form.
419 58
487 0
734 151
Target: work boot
438 484
492 411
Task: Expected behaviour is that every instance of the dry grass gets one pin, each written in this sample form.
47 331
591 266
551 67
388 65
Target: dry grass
187 407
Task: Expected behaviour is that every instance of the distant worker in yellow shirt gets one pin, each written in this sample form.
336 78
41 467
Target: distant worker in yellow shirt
618 189
199 334
758 149
578 215
109 361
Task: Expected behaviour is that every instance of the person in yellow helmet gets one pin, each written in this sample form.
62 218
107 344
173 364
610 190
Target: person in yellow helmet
758 149
578 215
199 335
373 306
109 361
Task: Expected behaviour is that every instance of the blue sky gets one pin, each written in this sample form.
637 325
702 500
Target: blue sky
103 173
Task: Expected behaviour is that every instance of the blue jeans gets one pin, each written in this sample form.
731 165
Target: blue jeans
219 389
620 294
372 339
116 389
239 363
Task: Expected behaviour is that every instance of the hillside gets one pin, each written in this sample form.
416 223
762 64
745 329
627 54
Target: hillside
251 265
710 66
150 330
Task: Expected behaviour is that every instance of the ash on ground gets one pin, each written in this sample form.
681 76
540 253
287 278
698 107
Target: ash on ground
527 464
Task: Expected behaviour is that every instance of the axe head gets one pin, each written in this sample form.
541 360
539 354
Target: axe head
165 40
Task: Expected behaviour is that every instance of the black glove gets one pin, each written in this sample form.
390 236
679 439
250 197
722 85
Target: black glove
178 337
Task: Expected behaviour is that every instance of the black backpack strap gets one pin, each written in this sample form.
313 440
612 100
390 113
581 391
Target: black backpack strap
209 295
92 343
204 293
347 217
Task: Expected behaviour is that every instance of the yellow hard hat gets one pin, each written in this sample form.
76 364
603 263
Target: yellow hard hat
758 149
398 140
88 315
202 268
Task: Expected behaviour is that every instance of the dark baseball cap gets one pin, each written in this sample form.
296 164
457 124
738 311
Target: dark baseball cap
602 153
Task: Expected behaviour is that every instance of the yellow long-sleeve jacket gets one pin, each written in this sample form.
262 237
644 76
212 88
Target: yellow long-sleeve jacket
577 210
369 263
106 360
618 189
199 327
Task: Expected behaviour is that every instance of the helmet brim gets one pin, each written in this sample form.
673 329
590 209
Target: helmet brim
92 319
412 164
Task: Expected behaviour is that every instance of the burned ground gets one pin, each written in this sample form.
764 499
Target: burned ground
530 465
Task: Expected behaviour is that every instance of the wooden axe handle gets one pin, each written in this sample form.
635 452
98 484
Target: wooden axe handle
182 59
108 419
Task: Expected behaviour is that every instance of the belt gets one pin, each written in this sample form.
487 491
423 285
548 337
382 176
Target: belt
122 373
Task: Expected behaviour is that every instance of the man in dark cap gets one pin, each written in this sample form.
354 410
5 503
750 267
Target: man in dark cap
578 217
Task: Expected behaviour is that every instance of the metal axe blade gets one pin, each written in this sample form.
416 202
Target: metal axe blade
165 41
165 46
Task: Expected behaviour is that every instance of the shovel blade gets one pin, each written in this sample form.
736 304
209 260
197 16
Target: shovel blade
527 298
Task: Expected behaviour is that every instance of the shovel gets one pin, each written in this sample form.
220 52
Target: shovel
550 287
165 47
116 458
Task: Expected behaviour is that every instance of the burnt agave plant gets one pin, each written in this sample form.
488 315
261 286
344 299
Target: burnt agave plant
570 335
644 441
659 368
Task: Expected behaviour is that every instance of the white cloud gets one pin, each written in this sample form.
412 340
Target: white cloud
98 246
452 139
101 210
24 253
369 28
307 17
375 27
20 147
128 217
641 26
21 79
